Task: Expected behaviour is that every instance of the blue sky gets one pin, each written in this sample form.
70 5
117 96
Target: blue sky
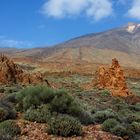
34 23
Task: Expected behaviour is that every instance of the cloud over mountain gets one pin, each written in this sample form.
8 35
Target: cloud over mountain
134 11
95 9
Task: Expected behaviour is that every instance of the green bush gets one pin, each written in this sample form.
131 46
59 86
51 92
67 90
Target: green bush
109 124
119 130
135 107
105 92
3 114
132 118
63 103
64 125
11 98
101 116
41 114
76 110
9 127
58 100
135 127
34 96
6 111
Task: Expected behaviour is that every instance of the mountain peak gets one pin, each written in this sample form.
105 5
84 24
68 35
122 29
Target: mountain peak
132 27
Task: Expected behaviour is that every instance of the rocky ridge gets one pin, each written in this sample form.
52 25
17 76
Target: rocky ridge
12 73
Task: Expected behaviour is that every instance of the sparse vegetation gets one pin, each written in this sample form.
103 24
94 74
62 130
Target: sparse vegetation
135 127
34 96
119 130
9 127
101 116
57 100
68 107
6 111
64 125
41 115
109 124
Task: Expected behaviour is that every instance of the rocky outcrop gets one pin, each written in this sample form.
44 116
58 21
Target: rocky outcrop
11 73
113 79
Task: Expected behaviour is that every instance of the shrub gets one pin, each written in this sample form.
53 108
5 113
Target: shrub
109 124
135 126
6 111
3 114
34 96
11 98
101 116
76 110
135 107
9 127
63 103
58 100
132 118
64 125
41 114
105 92
119 130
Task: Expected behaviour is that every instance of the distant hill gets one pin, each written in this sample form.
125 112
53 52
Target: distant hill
122 43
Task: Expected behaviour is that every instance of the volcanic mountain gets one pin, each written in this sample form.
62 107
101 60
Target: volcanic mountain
122 43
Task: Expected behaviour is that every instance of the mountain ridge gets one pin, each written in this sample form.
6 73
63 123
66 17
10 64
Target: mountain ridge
101 47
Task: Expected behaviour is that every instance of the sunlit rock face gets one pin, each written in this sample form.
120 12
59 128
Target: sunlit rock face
11 73
113 78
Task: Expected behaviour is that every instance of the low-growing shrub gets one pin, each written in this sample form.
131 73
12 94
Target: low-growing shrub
132 118
63 103
6 111
9 127
64 125
135 127
105 92
119 130
109 124
41 114
34 96
101 116
3 114
78 111
58 101
135 107
11 98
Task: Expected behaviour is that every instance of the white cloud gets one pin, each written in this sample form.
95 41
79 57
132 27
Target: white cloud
14 43
96 9
99 9
134 11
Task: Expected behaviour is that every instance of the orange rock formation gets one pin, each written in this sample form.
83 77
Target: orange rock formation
113 79
11 73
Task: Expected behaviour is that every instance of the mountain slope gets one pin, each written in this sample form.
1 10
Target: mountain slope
122 43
